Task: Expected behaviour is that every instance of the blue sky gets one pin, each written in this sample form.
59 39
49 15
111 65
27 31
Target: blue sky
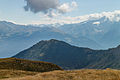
12 10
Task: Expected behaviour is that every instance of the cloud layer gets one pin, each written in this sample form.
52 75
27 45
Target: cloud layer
49 7
67 7
111 16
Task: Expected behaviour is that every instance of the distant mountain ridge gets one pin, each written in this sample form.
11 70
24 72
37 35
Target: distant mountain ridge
99 30
15 38
95 31
72 57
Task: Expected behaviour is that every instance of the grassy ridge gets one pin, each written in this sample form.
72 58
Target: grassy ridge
27 65
75 75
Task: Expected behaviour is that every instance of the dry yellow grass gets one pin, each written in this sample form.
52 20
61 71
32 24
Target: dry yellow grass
15 73
84 74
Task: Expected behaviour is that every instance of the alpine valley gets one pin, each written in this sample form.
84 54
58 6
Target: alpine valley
95 31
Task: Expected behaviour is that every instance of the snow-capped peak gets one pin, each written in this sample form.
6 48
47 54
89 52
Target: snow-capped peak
96 23
111 16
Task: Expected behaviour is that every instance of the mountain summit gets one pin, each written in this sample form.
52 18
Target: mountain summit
72 57
54 51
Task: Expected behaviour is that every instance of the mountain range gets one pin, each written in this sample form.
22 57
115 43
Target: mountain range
72 57
95 31
15 38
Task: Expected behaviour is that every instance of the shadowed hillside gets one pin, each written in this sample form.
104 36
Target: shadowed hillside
27 65
72 57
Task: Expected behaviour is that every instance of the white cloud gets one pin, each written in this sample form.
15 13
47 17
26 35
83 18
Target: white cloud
111 16
49 7
41 5
64 8
74 4
67 7
52 14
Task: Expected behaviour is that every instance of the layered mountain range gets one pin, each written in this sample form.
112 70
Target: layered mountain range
72 57
95 31
15 38
104 28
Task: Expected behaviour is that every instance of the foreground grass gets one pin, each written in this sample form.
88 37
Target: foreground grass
15 73
85 74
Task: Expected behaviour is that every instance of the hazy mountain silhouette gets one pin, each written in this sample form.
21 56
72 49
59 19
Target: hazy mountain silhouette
15 38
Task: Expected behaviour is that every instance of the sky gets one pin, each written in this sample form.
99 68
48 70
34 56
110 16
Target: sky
14 10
